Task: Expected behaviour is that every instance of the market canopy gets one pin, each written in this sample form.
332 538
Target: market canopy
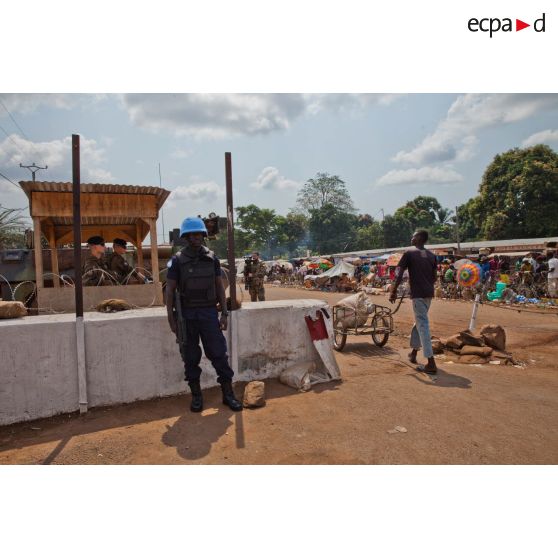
338 270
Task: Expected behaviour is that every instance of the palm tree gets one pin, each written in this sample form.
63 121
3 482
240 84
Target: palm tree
445 216
12 227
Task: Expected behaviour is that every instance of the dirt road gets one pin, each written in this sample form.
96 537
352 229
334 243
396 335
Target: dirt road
470 414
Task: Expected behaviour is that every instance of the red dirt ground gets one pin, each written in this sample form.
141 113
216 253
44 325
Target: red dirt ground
470 414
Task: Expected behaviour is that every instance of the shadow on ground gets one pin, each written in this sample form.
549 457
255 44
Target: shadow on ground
192 434
442 379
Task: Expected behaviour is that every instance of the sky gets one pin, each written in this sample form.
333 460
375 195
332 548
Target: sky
388 148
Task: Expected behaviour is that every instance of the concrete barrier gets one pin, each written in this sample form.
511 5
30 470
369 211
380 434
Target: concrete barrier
133 355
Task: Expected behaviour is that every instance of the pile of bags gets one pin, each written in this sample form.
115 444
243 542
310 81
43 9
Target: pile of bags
488 346
12 309
354 311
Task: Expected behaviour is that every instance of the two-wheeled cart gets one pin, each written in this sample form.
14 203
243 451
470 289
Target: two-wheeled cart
378 324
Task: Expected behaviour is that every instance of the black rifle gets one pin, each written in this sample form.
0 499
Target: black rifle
180 323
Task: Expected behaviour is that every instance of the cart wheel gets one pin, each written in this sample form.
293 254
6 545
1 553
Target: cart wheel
380 330
339 340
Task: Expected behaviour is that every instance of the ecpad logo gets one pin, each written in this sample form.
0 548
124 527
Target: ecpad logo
493 25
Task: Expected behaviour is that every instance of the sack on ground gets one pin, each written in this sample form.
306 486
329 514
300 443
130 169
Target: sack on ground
472 359
437 346
494 336
473 350
298 375
113 305
254 394
453 342
12 309
470 339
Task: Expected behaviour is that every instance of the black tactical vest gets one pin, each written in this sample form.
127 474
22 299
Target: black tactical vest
197 278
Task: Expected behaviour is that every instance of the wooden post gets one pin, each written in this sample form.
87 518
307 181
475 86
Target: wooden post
38 253
54 258
154 250
138 245
230 231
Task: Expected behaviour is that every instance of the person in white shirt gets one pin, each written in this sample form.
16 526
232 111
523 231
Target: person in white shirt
552 275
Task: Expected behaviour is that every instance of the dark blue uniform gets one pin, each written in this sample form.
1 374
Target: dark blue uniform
202 323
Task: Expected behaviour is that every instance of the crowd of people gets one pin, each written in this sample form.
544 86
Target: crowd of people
534 275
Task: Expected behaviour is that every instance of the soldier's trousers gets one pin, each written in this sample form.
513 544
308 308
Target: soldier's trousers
203 323
257 293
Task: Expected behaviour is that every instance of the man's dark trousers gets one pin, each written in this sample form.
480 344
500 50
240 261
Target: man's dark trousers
203 323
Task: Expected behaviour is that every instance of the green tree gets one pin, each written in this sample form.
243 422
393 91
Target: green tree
397 231
422 212
322 190
12 228
290 231
518 195
370 236
331 229
259 226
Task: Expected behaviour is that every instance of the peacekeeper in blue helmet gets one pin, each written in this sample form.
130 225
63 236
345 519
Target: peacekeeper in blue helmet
194 274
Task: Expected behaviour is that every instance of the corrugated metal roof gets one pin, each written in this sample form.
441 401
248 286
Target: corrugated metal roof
464 246
30 186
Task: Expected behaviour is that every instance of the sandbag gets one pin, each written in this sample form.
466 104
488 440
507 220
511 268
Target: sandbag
473 350
12 309
437 346
494 336
355 310
472 359
113 305
470 339
453 342
298 375
254 395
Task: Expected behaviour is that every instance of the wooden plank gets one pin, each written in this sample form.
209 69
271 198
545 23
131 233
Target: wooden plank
38 252
65 233
59 204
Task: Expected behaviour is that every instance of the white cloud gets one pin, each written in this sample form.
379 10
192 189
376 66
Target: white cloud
270 179
179 153
29 102
546 136
346 102
454 138
431 175
223 115
196 194
57 154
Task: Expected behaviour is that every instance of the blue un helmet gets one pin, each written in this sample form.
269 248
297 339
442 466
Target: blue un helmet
193 225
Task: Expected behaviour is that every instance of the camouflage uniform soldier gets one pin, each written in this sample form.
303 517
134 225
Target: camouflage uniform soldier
116 263
254 274
94 266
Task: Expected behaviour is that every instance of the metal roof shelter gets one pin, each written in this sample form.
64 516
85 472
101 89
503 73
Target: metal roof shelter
108 210
499 246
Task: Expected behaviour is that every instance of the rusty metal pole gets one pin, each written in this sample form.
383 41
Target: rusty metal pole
80 326
230 231
77 224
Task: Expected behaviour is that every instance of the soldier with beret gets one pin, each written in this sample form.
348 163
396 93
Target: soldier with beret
94 269
116 262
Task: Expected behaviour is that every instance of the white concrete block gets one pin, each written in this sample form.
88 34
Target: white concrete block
133 355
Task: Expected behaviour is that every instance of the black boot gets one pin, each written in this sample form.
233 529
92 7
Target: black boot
196 406
229 398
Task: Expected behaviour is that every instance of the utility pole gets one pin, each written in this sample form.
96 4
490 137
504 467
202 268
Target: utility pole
33 168
457 229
